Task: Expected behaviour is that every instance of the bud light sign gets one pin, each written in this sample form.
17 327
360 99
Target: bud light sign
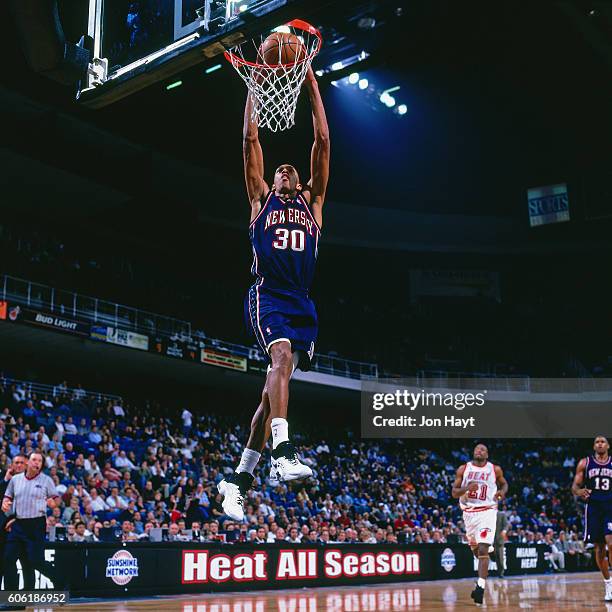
548 204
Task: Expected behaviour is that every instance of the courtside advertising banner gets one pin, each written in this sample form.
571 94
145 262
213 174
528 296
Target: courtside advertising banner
147 568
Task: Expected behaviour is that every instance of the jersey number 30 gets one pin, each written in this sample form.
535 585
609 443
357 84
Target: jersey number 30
294 238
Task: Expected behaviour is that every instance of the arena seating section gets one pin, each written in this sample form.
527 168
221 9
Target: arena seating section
384 491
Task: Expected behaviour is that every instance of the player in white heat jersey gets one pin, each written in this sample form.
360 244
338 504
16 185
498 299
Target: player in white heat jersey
478 486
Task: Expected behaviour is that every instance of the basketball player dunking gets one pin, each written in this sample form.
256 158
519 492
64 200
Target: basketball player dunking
593 483
478 486
285 227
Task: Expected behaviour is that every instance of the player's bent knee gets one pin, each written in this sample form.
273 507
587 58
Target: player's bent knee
282 357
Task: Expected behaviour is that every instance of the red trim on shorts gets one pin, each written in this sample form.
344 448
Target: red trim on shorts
481 509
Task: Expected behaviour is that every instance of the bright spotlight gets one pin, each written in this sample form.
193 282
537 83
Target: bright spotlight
402 109
337 66
363 83
353 78
387 100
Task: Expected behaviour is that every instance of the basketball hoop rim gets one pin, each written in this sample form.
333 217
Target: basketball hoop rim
295 23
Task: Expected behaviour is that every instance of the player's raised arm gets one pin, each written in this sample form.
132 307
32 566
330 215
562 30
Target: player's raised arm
253 160
577 486
319 158
458 490
502 483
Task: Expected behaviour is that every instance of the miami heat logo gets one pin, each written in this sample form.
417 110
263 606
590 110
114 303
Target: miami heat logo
484 532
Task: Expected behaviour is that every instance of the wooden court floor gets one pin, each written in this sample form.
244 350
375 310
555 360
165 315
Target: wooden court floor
546 592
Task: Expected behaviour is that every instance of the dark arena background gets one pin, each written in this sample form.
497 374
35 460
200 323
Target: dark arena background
467 237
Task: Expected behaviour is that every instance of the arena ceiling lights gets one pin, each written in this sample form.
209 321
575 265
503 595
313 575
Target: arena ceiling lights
343 63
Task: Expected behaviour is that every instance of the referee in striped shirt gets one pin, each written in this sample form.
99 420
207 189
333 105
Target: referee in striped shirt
17 466
29 494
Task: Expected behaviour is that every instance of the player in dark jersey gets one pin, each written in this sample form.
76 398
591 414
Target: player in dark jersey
593 483
285 227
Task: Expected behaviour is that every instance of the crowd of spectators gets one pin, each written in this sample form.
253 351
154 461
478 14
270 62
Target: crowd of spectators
124 471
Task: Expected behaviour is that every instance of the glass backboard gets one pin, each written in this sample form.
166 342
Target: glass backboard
139 42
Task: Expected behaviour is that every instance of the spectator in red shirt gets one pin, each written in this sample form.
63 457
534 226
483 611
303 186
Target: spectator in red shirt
344 519
400 522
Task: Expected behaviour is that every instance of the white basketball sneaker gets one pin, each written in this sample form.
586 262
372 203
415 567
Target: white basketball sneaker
234 489
285 464
608 595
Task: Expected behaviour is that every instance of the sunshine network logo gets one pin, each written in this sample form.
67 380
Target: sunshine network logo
122 567
448 560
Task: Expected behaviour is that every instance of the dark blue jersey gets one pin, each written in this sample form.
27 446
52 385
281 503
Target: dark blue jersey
285 240
598 478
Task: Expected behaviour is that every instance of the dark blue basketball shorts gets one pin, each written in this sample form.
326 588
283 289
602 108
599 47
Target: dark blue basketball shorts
597 521
272 315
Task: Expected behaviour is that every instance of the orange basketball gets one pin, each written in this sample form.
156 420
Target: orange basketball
282 48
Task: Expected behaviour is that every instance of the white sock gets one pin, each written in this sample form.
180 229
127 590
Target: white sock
608 581
481 582
280 431
248 461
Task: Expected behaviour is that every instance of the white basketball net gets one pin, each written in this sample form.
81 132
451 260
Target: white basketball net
275 87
